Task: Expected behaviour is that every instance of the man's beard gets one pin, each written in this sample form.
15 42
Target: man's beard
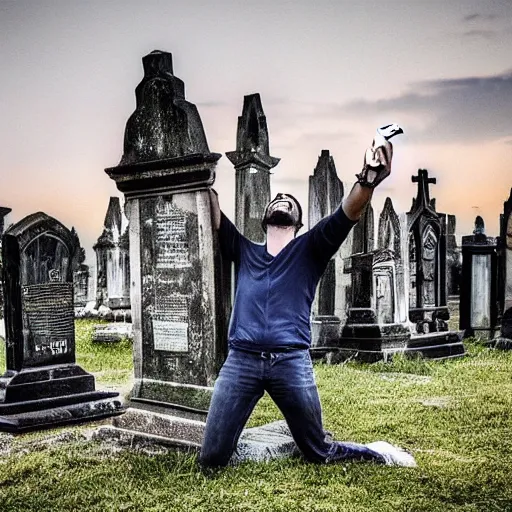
279 218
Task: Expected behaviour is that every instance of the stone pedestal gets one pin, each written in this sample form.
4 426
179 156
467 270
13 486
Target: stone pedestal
478 300
179 310
43 386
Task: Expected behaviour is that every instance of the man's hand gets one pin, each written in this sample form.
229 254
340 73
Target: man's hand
376 168
377 158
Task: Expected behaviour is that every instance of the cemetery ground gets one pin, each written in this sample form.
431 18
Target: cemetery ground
455 417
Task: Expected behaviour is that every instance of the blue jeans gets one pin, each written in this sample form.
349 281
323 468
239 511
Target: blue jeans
289 380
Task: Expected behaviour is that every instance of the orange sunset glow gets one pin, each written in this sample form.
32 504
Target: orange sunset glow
328 73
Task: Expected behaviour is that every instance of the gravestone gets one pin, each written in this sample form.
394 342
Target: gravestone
426 246
377 324
325 196
80 275
478 297
43 386
113 263
427 259
505 275
453 258
179 310
253 164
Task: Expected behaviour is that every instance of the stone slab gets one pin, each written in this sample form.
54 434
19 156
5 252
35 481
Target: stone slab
433 346
112 333
138 427
65 415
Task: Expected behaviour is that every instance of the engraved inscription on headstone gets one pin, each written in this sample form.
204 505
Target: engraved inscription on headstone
170 323
43 386
171 236
48 320
429 247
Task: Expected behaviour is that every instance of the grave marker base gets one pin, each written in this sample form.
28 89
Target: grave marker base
57 395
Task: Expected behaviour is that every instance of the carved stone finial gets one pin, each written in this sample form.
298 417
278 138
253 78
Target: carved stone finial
479 226
164 125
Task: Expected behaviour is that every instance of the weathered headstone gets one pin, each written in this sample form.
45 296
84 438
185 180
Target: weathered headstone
325 196
43 386
427 257
453 258
80 274
505 275
179 312
253 164
377 324
426 245
478 304
3 212
113 262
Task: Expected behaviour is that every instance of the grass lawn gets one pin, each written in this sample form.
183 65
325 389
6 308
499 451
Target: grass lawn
455 416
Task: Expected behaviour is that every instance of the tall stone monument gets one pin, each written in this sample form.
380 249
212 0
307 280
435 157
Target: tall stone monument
113 261
253 164
325 196
43 386
427 258
505 275
478 300
179 312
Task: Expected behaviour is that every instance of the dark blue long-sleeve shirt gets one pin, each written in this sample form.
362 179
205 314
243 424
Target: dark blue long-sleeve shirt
274 294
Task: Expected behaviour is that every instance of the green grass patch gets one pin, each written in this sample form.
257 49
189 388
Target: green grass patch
455 417
111 363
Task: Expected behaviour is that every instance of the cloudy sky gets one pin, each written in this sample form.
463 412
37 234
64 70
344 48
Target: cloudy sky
329 73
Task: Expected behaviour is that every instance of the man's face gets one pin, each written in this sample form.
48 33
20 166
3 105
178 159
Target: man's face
283 210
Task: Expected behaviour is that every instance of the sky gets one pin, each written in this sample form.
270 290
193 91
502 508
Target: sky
328 72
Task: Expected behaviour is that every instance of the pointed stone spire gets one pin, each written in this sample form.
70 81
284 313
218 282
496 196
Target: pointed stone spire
253 164
111 225
325 189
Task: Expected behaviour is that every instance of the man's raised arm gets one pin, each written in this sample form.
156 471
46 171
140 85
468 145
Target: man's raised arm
376 167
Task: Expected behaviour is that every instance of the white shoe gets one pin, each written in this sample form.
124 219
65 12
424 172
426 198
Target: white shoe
393 455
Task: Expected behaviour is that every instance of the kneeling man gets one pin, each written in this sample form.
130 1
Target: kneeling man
269 334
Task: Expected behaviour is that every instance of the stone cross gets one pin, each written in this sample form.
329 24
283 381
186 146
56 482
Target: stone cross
423 182
427 258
